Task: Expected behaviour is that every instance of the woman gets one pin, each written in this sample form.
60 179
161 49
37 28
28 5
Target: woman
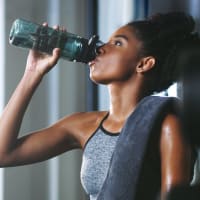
133 64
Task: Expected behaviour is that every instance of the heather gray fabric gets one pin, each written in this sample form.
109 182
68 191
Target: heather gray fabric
96 159
131 175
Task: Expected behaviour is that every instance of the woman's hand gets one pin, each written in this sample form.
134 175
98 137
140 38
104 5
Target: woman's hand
41 63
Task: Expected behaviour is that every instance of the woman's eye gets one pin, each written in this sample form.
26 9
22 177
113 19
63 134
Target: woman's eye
118 43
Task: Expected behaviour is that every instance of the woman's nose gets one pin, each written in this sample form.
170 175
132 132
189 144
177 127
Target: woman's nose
100 49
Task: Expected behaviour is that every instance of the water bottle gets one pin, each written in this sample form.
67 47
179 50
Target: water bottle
27 34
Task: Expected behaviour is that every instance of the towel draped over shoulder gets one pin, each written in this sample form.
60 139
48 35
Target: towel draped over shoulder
130 176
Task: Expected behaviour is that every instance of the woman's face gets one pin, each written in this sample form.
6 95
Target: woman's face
117 59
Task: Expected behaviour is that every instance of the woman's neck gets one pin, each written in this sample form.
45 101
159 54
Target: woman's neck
124 99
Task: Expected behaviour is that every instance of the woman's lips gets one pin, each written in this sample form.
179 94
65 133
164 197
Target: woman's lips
92 62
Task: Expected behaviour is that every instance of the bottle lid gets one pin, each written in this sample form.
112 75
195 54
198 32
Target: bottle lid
94 43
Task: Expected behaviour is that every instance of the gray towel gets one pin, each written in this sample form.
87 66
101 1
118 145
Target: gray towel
125 174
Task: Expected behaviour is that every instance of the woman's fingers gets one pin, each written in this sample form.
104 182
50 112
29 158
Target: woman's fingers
55 56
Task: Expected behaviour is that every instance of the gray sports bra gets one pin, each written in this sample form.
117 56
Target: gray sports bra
96 159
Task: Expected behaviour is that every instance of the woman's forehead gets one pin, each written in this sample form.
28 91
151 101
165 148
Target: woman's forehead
124 30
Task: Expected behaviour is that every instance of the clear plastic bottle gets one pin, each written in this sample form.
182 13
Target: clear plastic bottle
30 35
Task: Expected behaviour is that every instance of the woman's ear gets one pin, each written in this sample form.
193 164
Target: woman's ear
145 64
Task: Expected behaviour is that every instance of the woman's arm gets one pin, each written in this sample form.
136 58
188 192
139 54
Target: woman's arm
176 155
14 151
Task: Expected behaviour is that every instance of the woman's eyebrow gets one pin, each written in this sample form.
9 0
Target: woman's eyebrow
121 36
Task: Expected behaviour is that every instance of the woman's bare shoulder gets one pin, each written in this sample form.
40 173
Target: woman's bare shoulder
176 155
84 118
82 124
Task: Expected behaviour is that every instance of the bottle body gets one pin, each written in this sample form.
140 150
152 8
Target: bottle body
30 35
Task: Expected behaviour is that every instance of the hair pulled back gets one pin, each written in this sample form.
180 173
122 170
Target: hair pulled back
162 36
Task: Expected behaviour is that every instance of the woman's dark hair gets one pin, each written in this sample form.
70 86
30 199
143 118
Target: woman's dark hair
162 35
